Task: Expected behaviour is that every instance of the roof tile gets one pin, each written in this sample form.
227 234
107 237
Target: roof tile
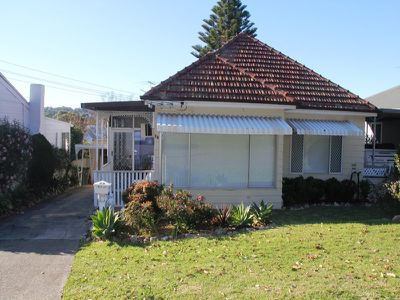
246 70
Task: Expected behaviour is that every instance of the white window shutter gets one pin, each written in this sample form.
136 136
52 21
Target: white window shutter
296 163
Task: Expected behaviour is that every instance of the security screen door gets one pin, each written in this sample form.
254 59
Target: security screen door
123 145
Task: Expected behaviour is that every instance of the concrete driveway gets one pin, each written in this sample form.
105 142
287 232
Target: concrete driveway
37 248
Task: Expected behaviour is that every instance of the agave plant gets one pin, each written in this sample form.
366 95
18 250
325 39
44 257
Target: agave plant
222 217
261 213
104 222
241 216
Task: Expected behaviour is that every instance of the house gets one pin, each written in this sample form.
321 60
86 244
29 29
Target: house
388 119
231 125
384 128
14 107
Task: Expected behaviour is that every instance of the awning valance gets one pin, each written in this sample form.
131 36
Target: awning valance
325 127
216 124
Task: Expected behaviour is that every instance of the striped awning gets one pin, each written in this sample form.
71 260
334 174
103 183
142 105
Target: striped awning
325 127
216 124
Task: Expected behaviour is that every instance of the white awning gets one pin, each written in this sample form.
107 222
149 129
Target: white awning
221 124
325 127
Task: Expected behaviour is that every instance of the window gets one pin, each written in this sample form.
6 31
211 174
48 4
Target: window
262 160
218 161
175 159
316 154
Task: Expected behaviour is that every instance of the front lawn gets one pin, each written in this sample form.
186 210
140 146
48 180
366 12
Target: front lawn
317 253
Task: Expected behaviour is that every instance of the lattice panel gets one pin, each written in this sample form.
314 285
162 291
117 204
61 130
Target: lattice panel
297 153
336 154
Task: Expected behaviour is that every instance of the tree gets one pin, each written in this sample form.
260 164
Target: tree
228 18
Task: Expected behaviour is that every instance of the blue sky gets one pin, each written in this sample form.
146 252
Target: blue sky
124 44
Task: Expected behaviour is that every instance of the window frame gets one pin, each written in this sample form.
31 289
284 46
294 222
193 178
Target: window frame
329 159
246 186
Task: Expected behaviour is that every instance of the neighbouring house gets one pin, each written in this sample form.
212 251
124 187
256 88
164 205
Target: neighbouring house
231 125
14 107
382 132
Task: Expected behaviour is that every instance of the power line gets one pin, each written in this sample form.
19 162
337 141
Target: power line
66 77
59 88
55 82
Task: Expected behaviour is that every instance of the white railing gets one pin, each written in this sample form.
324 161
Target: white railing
383 158
120 180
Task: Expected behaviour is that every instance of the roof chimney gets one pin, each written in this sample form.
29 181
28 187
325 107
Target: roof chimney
36 108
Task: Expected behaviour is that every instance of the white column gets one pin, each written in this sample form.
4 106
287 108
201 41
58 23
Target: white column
97 141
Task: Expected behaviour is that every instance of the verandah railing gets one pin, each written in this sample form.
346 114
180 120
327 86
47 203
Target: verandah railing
120 180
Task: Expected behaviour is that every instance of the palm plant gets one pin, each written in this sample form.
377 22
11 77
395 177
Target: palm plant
222 217
241 216
261 213
104 222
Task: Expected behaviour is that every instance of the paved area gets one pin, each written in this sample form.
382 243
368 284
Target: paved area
37 247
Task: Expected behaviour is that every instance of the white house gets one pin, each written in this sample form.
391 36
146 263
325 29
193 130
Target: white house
30 115
231 125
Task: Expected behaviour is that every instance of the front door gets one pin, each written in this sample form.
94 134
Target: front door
123 150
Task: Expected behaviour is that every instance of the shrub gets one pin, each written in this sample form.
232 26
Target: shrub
347 190
332 190
183 211
42 165
222 216
365 189
313 190
241 216
261 213
5 203
291 191
143 191
140 217
15 154
105 223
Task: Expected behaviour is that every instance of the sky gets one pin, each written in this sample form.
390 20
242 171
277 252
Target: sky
121 46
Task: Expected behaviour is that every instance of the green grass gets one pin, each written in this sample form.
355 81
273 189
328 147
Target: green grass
318 253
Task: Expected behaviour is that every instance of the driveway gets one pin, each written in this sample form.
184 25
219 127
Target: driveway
37 248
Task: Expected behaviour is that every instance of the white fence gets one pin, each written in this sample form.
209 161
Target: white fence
383 158
120 180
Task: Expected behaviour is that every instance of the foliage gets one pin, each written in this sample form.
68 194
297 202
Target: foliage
76 138
143 191
105 222
261 213
228 18
222 216
365 189
15 154
140 217
241 216
183 211
300 191
42 165
343 253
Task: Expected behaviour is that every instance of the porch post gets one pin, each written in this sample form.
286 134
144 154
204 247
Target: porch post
133 141
97 141
102 146
373 144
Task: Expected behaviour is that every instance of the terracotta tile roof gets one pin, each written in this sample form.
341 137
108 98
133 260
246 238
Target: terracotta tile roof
247 70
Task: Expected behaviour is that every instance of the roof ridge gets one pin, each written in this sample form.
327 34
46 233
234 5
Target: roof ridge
254 77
